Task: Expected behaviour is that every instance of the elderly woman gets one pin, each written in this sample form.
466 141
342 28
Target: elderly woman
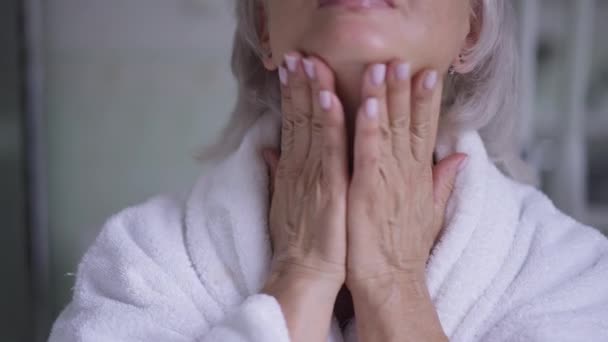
392 212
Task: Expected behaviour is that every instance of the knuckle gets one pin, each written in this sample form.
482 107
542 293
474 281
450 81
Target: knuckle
400 154
419 131
369 132
400 138
335 191
285 93
422 98
380 94
287 123
332 150
300 117
298 84
400 122
418 156
384 132
287 170
286 101
317 126
286 109
366 161
314 84
286 145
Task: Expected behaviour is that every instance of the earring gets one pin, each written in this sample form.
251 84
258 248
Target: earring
452 69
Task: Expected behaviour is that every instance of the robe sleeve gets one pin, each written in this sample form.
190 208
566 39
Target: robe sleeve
136 283
561 290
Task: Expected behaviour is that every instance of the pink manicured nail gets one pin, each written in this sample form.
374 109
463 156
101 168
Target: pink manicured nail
371 108
283 75
309 68
325 99
378 74
403 71
431 80
292 62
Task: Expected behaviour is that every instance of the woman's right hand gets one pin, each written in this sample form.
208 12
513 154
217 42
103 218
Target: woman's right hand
308 207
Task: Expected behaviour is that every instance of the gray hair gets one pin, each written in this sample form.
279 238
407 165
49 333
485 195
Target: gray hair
482 97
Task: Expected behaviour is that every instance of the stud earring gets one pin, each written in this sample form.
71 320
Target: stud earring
452 69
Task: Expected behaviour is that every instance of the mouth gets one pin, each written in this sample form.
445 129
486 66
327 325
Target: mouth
358 4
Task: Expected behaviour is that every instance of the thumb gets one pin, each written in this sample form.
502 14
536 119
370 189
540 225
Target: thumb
271 157
444 178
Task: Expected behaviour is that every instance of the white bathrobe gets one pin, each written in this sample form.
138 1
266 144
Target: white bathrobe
508 267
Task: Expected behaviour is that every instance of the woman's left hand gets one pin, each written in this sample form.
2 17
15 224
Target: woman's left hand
396 198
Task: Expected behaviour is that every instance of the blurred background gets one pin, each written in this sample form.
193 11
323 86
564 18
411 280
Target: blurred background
104 103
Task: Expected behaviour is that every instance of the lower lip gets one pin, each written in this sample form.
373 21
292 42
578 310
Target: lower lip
355 4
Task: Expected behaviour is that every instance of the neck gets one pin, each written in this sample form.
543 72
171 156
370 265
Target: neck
349 78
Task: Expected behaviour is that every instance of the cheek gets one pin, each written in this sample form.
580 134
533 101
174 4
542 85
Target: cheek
287 21
279 42
436 36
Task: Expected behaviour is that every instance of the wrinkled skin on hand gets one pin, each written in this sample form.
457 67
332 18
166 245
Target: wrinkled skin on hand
308 209
382 221
396 196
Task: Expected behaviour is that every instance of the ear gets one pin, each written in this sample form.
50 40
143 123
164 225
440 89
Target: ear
264 37
460 63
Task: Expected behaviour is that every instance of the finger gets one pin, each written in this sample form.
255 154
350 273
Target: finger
374 86
287 126
399 107
334 150
301 107
425 115
444 178
271 157
321 78
367 141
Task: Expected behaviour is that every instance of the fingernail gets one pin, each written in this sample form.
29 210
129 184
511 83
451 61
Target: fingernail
403 71
325 99
378 74
371 108
309 68
283 75
463 163
431 80
292 62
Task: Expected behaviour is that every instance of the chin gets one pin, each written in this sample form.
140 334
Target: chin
354 39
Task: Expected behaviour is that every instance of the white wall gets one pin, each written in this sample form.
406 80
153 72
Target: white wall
134 88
